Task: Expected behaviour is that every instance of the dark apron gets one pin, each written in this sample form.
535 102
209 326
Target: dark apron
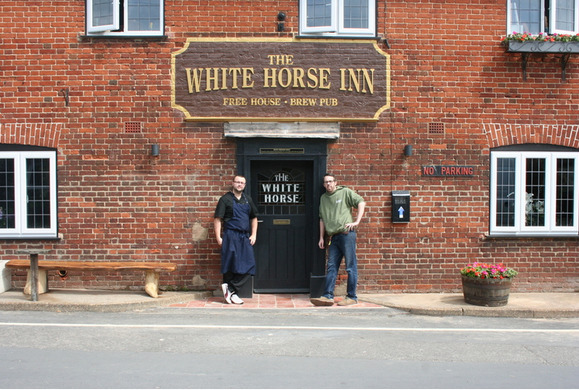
236 251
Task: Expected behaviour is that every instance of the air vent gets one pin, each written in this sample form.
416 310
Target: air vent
132 127
436 128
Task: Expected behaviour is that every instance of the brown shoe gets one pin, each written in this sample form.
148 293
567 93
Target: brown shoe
322 301
348 302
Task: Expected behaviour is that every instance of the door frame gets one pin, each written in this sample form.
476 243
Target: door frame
314 150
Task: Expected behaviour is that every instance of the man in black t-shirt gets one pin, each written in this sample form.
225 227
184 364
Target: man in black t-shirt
237 215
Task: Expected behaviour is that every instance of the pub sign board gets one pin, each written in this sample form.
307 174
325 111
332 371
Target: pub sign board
280 80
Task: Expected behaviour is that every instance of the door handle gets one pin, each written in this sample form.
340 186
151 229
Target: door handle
259 220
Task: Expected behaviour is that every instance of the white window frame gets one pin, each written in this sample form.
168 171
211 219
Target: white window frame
20 196
336 27
114 9
541 21
553 18
113 29
519 228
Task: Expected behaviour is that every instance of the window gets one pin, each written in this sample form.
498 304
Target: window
534 192
124 17
338 18
543 16
28 194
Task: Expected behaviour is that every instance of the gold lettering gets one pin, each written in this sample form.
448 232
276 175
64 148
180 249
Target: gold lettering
328 102
234 72
265 101
284 77
324 75
218 78
281 59
313 78
368 81
223 78
269 77
247 74
209 79
214 79
194 79
234 101
358 78
303 101
299 78
286 81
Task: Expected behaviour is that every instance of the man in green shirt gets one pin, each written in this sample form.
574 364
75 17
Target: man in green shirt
337 222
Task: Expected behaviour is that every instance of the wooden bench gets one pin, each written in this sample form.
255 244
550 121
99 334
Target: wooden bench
151 269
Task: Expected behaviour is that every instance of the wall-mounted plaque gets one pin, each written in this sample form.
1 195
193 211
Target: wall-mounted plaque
280 80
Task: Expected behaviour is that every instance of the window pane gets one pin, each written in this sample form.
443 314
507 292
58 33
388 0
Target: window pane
565 201
38 193
144 15
565 15
525 16
506 192
102 12
356 13
535 192
7 197
319 13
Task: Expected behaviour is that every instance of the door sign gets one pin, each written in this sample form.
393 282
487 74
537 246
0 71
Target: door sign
281 189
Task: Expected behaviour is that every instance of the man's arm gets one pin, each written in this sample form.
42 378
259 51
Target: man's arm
217 228
322 241
361 207
253 236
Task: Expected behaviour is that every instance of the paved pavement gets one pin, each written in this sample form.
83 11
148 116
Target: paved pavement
522 305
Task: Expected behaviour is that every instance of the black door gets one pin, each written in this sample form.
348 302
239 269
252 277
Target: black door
286 237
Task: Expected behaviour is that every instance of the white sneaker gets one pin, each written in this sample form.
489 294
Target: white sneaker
226 292
235 299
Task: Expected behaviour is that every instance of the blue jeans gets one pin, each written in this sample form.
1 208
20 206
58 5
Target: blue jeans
342 245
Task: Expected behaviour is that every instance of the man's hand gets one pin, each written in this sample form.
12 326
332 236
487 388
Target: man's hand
351 226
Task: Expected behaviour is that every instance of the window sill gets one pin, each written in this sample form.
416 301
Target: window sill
543 47
128 37
510 236
337 37
33 238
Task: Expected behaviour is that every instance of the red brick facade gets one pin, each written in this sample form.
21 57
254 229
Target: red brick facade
455 94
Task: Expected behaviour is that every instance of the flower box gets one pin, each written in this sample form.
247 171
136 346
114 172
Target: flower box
556 47
528 44
486 292
487 284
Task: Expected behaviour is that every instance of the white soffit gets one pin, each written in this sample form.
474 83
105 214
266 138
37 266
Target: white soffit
330 130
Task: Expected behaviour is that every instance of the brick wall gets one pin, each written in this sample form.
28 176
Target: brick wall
455 94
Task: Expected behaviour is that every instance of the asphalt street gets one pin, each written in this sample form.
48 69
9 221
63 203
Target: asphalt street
313 348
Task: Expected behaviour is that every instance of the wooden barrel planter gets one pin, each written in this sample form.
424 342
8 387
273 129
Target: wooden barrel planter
486 292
